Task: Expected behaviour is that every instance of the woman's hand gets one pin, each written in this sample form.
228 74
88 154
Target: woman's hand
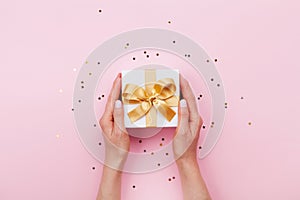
117 144
116 138
189 124
185 146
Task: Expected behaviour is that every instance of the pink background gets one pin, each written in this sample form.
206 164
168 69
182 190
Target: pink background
44 43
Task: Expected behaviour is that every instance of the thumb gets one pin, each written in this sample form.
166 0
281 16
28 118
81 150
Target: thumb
118 115
183 122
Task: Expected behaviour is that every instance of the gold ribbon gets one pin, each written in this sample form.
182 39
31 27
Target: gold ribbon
157 95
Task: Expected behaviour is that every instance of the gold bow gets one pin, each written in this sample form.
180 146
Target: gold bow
160 94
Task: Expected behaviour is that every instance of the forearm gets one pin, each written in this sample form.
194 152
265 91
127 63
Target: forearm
110 186
193 185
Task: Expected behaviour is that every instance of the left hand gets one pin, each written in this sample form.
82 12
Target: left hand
117 141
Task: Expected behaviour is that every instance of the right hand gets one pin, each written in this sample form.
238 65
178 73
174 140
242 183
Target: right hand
189 124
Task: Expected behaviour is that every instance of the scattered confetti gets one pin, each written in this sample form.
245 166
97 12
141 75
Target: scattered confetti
57 135
74 69
60 90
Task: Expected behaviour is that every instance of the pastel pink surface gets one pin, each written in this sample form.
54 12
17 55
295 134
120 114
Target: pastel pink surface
256 44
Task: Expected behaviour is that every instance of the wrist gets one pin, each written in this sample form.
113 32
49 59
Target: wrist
111 171
187 163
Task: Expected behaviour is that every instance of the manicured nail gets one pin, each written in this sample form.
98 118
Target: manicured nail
182 103
118 104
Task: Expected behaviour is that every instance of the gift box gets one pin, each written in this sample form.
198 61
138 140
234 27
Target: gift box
150 97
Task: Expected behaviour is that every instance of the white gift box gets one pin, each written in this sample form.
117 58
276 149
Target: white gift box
140 78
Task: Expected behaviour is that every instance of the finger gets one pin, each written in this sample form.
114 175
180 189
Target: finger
113 96
118 115
183 121
188 95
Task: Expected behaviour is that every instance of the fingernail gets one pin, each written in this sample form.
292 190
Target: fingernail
118 104
182 103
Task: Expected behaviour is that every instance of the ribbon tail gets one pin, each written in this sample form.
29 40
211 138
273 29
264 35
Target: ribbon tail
165 110
139 111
